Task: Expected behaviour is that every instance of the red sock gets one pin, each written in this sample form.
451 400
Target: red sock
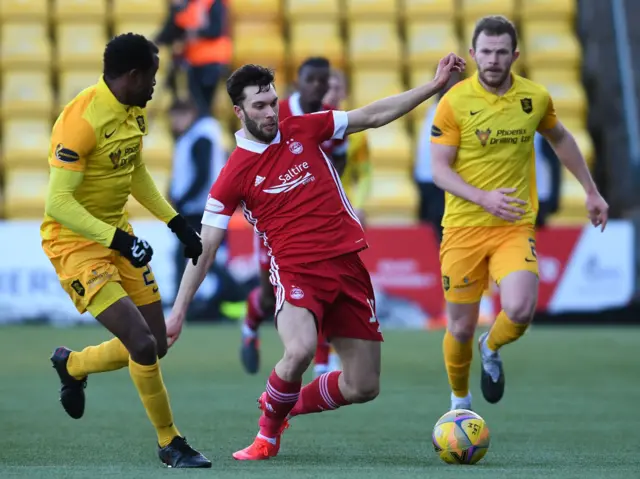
322 394
281 398
255 315
322 351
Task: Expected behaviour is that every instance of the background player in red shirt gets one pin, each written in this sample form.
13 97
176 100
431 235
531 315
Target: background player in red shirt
312 87
291 193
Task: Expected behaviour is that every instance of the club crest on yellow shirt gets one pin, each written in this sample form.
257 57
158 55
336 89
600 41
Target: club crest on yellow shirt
527 105
141 125
483 136
114 156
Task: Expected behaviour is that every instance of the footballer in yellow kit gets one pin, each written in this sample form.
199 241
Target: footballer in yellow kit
483 157
95 162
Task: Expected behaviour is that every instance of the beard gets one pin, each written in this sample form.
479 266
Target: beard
259 134
495 83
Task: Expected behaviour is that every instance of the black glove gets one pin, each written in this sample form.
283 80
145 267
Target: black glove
188 237
136 250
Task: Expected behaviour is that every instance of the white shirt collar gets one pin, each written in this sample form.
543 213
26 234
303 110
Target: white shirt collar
294 104
246 144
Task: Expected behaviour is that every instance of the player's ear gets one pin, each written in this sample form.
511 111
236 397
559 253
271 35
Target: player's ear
516 55
239 113
472 52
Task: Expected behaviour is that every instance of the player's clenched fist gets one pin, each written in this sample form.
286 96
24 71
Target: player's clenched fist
136 250
498 203
188 237
450 63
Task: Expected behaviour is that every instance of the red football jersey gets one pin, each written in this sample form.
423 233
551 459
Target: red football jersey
291 107
290 192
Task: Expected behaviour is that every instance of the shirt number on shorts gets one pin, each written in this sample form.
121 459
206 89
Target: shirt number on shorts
145 275
532 245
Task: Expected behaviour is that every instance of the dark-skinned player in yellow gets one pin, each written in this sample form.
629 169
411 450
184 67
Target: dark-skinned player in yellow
95 162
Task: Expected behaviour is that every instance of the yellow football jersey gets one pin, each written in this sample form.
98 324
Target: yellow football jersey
102 138
494 135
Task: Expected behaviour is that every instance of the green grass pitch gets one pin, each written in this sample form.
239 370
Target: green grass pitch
568 412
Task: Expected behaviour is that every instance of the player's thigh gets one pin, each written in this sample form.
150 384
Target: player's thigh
514 267
296 327
361 365
463 264
83 269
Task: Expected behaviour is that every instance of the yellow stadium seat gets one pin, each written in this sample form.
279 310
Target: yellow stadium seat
315 39
79 10
569 96
551 44
428 42
157 146
161 176
476 9
26 94
417 77
429 9
553 10
146 28
369 85
30 10
86 54
25 192
72 82
26 142
361 9
145 10
571 196
585 144
547 75
256 9
312 9
394 198
24 45
391 147
374 44
258 42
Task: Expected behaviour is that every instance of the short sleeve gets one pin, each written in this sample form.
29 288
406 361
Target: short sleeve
72 140
324 125
224 197
549 119
445 130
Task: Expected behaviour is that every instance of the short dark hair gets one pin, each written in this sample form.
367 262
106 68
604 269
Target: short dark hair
495 25
248 75
127 52
314 62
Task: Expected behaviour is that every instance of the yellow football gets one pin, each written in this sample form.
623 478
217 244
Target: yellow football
461 437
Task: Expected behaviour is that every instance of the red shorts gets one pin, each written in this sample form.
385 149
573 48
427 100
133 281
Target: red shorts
337 291
261 251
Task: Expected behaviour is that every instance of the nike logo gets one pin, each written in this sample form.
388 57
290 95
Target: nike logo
474 112
528 260
109 135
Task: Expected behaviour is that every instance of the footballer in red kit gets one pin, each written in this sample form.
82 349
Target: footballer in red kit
291 193
312 87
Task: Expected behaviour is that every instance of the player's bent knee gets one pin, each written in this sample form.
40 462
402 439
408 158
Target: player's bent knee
462 320
520 310
300 355
143 348
162 347
364 390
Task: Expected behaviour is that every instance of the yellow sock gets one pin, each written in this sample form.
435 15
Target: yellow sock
108 356
457 359
148 381
504 331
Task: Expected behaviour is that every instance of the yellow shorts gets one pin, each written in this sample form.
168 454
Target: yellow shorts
468 256
85 267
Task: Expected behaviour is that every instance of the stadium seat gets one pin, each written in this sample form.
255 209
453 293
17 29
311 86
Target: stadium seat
428 42
72 82
147 28
30 10
312 10
374 44
428 9
476 9
25 192
554 75
315 38
26 94
391 147
394 198
571 196
79 10
368 85
417 77
258 42
26 142
553 10
264 10
362 9
161 176
550 44
569 96
85 54
144 10
24 45
157 146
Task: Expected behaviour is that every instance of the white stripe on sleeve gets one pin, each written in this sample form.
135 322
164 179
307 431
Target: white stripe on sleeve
340 124
216 220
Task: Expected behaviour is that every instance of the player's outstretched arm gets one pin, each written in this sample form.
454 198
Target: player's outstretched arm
192 279
565 146
382 112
